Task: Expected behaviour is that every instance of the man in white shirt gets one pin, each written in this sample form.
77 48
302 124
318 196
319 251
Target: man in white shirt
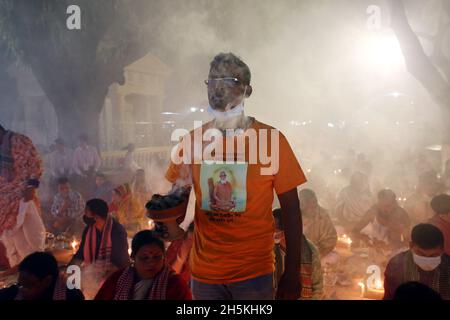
86 162
28 235
85 158
61 160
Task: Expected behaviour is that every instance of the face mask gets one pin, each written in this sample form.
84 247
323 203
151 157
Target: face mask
230 114
88 220
427 263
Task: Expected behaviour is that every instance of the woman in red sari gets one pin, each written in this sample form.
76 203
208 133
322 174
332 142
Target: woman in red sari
149 277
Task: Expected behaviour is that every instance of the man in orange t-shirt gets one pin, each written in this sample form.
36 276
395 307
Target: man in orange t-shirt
232 255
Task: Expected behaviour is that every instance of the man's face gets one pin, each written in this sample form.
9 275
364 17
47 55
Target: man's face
59 147
225 88
64 189
99 181
386 206
31 287
223 176
307 206
434 252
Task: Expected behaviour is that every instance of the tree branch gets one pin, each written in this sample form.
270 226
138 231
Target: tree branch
417 62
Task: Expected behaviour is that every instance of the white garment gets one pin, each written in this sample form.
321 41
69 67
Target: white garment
377 231
129 162
85 158
61 162
27 236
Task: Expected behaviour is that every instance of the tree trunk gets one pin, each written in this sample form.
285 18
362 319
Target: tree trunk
79 117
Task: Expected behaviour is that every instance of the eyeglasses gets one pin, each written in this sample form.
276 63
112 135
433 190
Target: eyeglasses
228 81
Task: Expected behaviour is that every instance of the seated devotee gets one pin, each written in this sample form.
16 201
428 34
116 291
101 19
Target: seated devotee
39 279
424 262
67 209
28 234
61 160
140 188
149 277
86 161
103 188
418 204
178 254
310 268
317 225
441 206
353 201
104 241
416 291
127 210
385 224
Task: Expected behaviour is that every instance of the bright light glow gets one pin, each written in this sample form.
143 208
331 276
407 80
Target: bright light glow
330 125
202 110
193 109
380 50
169 113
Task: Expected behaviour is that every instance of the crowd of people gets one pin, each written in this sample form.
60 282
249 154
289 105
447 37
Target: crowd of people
260 253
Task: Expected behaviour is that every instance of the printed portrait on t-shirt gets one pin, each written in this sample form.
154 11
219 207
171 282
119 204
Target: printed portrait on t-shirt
223 187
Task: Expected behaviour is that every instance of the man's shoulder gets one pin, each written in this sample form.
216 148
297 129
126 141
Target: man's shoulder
396 263
118 228
75 194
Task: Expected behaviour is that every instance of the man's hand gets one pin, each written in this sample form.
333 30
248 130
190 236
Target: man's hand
289 287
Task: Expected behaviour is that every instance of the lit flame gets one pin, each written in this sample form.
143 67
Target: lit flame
129 251
151 224
363 287
74 244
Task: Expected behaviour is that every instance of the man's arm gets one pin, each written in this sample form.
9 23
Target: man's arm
361 224
328 239
289 287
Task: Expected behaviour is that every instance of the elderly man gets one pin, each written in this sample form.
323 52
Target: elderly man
232 256
19 162
385 223
425 262
317 225
353 201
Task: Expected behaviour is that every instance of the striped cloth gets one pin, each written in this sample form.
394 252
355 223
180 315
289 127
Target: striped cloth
103 261
441 277
125 284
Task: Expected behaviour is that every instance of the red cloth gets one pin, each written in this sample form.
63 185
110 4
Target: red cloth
171 257
177 289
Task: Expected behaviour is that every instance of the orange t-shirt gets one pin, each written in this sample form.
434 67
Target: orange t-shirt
237 244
